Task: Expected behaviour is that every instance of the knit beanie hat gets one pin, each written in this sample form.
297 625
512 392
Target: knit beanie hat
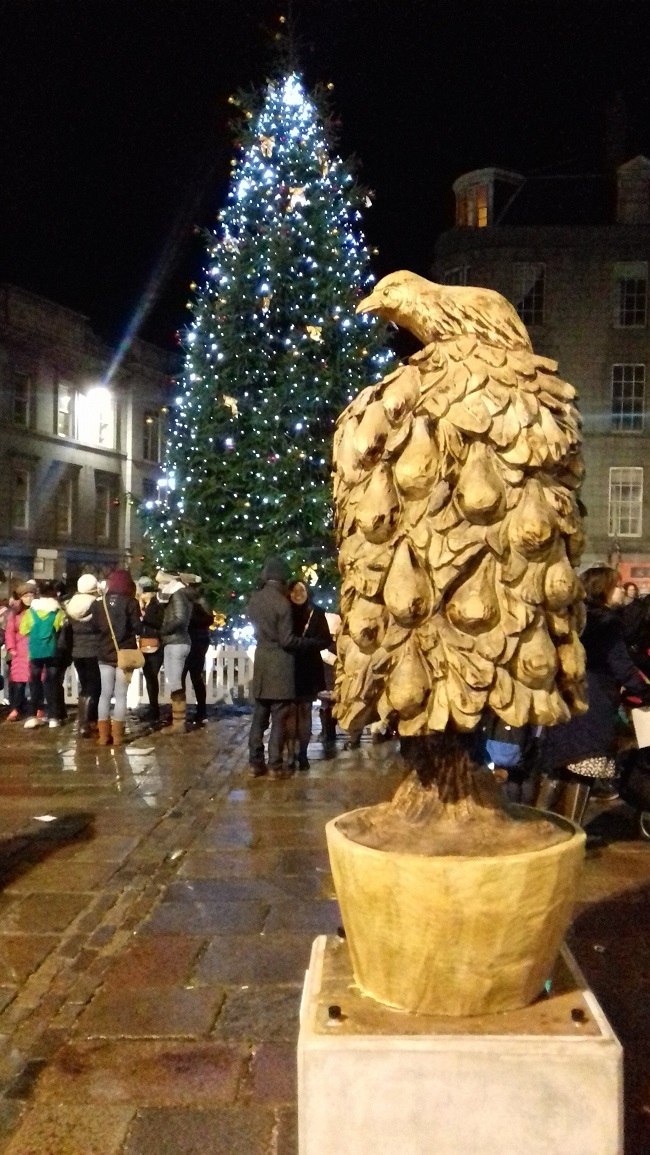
276 570
165 579
87 584
120 582
23 588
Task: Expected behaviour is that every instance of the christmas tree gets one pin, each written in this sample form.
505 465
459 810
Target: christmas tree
274 352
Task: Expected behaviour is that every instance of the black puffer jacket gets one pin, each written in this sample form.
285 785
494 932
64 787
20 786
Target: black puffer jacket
125 619
176 619
610 670
152 619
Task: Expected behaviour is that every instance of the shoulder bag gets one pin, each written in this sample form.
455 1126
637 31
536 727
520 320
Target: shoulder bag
127 660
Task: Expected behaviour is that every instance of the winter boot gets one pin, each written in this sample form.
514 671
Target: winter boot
117 732
104 731
179 711
83 725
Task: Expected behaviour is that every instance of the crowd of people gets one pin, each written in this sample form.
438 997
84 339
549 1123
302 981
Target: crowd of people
106 630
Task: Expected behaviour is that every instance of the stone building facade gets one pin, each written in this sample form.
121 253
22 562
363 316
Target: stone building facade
572 255
81 439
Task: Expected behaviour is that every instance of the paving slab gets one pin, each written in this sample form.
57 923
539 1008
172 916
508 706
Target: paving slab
152 968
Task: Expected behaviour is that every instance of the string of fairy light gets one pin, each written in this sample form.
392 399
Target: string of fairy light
274 349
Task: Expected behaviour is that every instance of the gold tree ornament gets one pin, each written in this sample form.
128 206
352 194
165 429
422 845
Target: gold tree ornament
310 574
267 144
315 332
231 403
266 304
296 197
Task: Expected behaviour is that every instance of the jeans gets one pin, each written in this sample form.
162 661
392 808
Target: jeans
114 684
174 661
303 725
278 713
90 684
18 696
152 666
43 683
195 667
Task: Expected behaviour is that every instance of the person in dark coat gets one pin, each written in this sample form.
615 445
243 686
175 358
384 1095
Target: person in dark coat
84 653
120 606
199 631
309 621
274 686
152 611
577 752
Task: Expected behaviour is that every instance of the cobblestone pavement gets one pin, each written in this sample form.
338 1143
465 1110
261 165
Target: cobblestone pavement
154 938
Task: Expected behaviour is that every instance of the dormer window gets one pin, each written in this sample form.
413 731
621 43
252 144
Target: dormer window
481 196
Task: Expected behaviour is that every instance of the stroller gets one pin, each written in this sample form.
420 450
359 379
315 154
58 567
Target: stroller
634 771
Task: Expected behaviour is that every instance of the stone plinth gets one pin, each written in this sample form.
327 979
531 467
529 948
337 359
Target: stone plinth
545 1080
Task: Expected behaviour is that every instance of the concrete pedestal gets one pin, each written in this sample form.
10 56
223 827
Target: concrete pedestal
546 1080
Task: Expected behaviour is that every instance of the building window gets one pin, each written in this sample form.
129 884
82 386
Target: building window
528 292
625 501
103 504
481 206
149 489
628 396
631 294
22 389
152 435
63 507
457 276
64 410
462 215
20 498
96 417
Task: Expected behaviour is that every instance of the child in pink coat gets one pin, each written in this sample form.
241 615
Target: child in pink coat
17 646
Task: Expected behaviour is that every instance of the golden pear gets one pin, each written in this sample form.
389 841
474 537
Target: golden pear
377 513
416 468
407 594
480 492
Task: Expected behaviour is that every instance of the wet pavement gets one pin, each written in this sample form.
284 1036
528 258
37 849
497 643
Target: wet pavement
156 917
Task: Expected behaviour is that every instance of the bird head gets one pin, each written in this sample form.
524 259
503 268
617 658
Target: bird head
435 312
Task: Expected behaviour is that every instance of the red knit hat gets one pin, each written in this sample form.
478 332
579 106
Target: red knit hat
120 582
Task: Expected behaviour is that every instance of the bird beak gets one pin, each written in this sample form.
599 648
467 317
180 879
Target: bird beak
370 304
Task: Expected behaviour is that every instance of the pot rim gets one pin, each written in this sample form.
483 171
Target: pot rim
520 855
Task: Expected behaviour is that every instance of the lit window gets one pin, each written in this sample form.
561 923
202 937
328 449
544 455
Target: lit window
63 507
21 398
103 501
151 435
96 417
64 410
457 276
20 499
481 206
628 396
625 501
528 292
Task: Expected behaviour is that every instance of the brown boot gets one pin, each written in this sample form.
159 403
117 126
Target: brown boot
179 711
117 732
104 731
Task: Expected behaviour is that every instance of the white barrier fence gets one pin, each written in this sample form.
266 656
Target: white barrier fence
228 675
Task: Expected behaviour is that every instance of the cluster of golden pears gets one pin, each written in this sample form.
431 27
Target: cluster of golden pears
458 528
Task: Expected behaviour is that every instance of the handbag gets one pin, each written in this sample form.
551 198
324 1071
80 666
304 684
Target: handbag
127 660
148 645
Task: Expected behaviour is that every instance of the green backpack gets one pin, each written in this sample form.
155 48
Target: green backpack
42 636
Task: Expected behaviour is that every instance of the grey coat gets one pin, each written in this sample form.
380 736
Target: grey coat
269 610
176 619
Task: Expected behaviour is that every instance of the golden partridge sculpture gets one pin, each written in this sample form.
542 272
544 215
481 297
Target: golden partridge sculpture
458 524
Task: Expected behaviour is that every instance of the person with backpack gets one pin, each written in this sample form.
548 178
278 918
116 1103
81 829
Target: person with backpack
41 625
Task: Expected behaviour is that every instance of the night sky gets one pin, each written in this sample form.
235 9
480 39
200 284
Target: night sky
114 137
